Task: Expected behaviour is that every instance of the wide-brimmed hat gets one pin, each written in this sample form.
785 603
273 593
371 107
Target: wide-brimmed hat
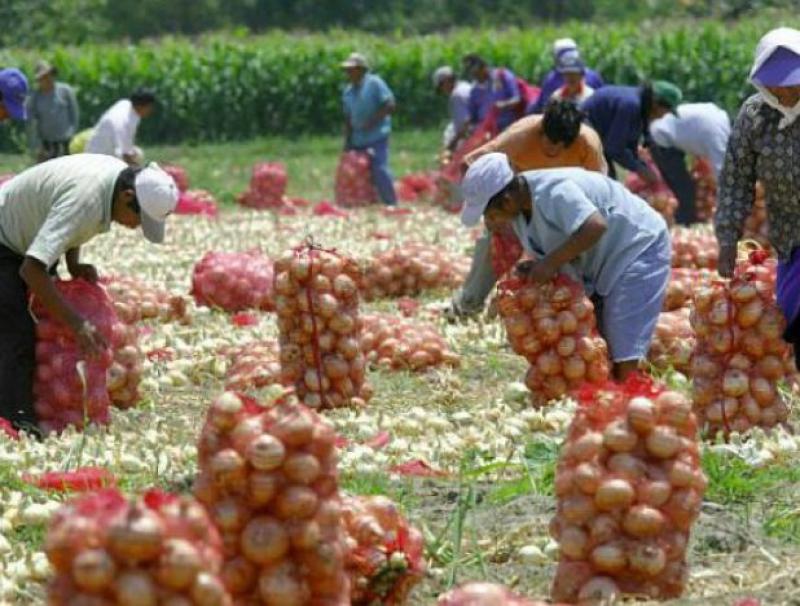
355 60
43 68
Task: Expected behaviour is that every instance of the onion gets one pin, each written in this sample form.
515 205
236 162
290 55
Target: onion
586 447
663 442
301 468
641 414
599 590
296 502
264 540
207 590
735 383
654 493
266 453
573 542
228 468
643 521
577 509
238 575
279 587
603 528
647 559
618 438
294 428
627 466
135 588
93 570
614 493
137 537
587 477
609 557
178 565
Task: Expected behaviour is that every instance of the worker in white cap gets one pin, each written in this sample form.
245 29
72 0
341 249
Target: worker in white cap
457 93
48 212
590 227
555 79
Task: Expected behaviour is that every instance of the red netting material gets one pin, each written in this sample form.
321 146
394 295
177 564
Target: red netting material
234 281
505 251
267 187
416 187
629 487
84 479
353 187
197 202
60 396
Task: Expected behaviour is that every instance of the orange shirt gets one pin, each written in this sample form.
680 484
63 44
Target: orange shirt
521 142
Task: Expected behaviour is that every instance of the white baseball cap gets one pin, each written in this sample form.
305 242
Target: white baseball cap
441 74
487 176
158 196
355 60
562 44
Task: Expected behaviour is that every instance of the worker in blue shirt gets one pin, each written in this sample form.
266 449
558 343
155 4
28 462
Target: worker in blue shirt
368 106
554 80
493 89
621 114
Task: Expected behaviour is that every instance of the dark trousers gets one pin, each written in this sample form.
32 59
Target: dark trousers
55 149
17 345
671 163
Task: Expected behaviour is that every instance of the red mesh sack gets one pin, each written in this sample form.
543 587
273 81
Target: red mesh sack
178 174
673 341
705 189
197 202
694 248
659 196
553 326
252 366
234 281
317 304
411 269
484 594
84 479
135 301
125 373
157 549
740 356
268 478
629 487
267 187
416 187
353 185
505 251
60 396
394 343
385 554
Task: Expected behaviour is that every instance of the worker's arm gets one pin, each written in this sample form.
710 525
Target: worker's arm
80 270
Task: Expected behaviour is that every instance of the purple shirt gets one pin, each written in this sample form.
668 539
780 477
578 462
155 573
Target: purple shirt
501 86
553 81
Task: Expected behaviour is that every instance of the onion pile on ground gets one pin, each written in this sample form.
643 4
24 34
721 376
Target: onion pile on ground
682 283
673 341
353 185
252 366
553 326
411 269
484 594
159 549
705 189
317 299
178 174
395 343
694 248
135 301
629 487
197 202
267 187
69 387
268 478
234 281
385 554
740 356
125 374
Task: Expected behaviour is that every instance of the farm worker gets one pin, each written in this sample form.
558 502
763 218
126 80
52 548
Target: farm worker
555 79
494 89
575 88
557 139
764 145
620 115
590 227
50 211
699 129
457 93
368 106
52 115
13 89
115 132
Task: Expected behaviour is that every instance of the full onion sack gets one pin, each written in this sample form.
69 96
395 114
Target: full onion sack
125 373
197 202
178 174
484 594
267 187
158 549
553 326
658 195
253 366
682 283
317 300
411 269
69 388
694 247
416 187
268 479
353 185
673 341
234 281
705 189
629 487
385 554
135 301
740 356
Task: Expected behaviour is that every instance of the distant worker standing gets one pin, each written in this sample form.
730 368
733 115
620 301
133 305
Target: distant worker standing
495 89
52 115
556 79
368 105
115 132
457 93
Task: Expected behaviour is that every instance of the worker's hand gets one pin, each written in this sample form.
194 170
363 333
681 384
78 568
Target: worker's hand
537 272
90 339
727 261
648 175
84 270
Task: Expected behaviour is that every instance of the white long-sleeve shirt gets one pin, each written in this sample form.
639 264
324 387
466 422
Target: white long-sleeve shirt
115 132
699 129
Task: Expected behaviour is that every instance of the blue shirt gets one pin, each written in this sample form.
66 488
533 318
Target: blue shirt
615 112
361 103
553 81
501 86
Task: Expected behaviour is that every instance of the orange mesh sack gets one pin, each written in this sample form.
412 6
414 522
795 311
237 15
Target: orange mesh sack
629 487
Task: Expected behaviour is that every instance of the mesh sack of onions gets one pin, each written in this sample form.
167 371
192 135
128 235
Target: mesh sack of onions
135 301
504 251
353 185
158 549
385 554
659 196
756 226
267 186
317 303
682 283
178 174
125 373
629 487
553 326
673 341
705 189
694 248
416 187
197 202
234 281
268 478
395 343
740 356
253 366
69 388
484 594
411 269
